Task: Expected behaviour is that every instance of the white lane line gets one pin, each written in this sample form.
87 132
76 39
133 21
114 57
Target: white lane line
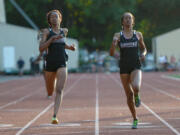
19 100
9 79
61 125
161 91
67 133
173 118
116 80
130 124
20 110
97 108
153 88
156 115
162 120
46 109
32 121
5 125
167 83
17 88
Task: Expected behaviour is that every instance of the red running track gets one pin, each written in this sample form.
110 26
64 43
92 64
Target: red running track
93 104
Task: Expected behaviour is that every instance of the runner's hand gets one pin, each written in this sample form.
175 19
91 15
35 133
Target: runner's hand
142 57
72 47
115 41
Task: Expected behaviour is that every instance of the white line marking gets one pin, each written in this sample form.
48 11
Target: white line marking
161 119
116 80
88 120
45 110
9 128
166 83
32 121
20 110
67 133
161 91
173 118
97 108
129 127
14 78
18 100
5 125
17 88
75 108
129 124
62 125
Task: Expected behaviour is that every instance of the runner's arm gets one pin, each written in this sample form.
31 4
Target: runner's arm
116 39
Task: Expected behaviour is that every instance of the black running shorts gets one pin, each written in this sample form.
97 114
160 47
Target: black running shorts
128 68
54 66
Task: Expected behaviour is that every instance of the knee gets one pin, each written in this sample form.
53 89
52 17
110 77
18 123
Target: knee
59 91
135 86
61 87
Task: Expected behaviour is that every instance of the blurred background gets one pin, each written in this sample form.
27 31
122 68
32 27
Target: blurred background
91 25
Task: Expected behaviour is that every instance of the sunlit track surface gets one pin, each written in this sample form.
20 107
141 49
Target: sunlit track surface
93 104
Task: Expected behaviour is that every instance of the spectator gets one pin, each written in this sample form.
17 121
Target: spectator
20 65
32 65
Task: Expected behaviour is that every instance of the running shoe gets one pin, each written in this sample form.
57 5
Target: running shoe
54 120
135 124
137 101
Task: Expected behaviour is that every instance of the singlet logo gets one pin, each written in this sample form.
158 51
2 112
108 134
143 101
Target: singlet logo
129 44
61 40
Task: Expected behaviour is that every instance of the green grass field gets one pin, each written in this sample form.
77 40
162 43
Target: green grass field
175 75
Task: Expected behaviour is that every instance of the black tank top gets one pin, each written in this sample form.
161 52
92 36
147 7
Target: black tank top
129 49
56 50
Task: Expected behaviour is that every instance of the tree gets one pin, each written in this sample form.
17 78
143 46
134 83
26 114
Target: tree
93 22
